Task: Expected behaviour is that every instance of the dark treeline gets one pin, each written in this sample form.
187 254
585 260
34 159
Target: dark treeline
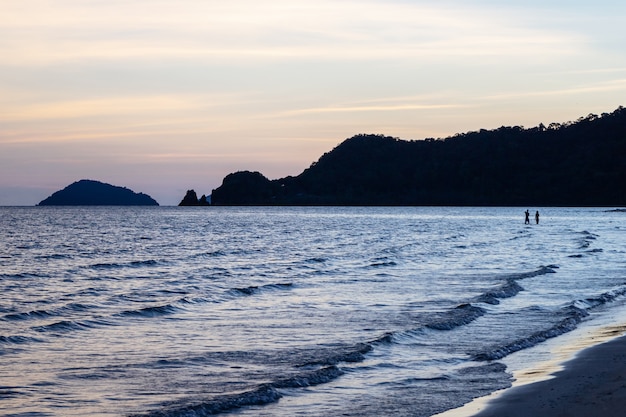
581 163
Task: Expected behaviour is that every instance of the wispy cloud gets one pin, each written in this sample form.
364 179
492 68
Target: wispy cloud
95 107
143 119
39 32
612 86
370 108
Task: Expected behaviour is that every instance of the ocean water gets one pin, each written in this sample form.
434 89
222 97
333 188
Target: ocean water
168 311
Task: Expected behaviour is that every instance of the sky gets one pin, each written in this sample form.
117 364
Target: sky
165 96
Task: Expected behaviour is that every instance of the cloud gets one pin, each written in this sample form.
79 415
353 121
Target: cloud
95 107
54 118
38 32
371 108
590 88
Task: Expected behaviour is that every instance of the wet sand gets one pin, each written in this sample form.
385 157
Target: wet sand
591 384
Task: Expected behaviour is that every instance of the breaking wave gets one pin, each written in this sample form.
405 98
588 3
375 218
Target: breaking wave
262 395
63 326
17 340
132 264
254 289
510 288
572 315
151 311
265 394
31 315
459 316
352 354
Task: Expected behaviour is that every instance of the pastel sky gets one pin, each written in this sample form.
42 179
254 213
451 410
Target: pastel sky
162 96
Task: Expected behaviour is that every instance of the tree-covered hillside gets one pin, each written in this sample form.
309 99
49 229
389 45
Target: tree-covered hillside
577 163
96 193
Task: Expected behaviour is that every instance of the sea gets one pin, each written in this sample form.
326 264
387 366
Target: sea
291 311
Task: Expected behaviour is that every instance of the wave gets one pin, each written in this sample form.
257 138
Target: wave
219 253
510 288
212 254
327 361
448 320
459 316
507 290
384 339
564 326
262 395
315 260
543 270
53 256
254 289
23 275
132 264
573 314
473 371
382 264
17 340
63 326
587 252
6 394
106 266
45 314
154 311
603 298
31 315
78 307
350 354
412 380
310 378
586 240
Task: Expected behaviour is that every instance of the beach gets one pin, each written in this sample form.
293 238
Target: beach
591 384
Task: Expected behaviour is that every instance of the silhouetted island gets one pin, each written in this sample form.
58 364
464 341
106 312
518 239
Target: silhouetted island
95 193
191 199
581 163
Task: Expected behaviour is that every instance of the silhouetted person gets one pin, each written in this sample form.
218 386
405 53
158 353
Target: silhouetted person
527 217
537 217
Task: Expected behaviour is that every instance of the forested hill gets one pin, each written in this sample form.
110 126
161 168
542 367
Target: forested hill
580 163
96 193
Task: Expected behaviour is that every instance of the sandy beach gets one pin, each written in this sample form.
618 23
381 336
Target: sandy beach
591 384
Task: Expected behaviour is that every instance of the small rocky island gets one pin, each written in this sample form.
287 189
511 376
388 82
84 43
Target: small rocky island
96 193
191 199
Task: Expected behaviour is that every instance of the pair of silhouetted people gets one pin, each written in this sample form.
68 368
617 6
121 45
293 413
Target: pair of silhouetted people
527 217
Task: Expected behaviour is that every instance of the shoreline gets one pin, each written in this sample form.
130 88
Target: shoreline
585 376
592 383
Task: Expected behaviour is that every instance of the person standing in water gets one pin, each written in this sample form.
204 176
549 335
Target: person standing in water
537 216
527 217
